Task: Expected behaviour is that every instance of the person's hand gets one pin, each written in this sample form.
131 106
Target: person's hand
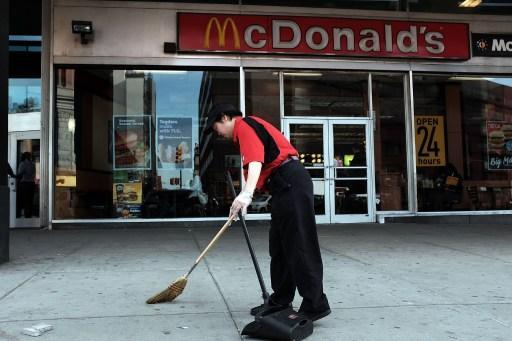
241 202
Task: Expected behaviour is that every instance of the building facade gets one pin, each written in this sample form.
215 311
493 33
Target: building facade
394 113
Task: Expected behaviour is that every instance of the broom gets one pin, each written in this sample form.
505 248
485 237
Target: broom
177 287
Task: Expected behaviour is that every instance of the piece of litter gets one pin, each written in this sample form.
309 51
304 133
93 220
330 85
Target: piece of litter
37 330
31 332
183 327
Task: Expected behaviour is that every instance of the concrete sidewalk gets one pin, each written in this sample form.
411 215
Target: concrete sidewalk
384 282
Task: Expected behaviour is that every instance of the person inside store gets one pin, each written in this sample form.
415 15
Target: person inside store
359 156
448 187
355 201
26 176
10 171
271 162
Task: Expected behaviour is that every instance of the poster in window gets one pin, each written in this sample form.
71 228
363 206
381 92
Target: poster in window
127 193
430 145
499 145
174 143
132 142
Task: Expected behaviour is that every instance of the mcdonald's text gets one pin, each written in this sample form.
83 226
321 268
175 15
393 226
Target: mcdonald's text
321 36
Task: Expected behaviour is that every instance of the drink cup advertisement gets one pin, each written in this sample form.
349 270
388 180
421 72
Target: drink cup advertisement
174 143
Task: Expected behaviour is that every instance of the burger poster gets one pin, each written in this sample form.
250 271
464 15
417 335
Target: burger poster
499 145
132 141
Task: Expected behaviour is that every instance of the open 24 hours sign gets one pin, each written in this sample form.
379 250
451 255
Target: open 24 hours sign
430 145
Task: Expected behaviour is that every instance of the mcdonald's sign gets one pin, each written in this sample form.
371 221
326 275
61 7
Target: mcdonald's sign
321 36
221 32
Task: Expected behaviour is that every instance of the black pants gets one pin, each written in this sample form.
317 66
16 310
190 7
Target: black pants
296 262
26 191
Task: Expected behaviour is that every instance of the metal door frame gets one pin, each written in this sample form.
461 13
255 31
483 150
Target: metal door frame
329 168
323 218
13 139
370 177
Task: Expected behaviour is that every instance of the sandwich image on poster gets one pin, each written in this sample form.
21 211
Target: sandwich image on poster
132 142
499 145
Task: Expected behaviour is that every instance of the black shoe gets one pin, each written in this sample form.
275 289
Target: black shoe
270 307
316 315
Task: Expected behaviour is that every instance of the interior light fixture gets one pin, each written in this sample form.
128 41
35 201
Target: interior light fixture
300 74
168 72
470 3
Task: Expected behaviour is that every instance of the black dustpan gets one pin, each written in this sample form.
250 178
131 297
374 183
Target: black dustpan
285 324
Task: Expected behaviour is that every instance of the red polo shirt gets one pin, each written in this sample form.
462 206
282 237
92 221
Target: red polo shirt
251 147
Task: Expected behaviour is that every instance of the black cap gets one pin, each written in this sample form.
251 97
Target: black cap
216 113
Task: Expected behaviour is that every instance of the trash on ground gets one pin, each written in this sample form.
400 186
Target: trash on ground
37 330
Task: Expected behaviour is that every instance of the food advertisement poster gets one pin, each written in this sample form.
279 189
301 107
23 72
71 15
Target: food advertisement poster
132 142
499 145
174 143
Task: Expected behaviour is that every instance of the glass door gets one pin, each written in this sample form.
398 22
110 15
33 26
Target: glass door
24 160
351 173
309 138
335 153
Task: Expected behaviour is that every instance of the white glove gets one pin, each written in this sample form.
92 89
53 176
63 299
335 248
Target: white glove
241 202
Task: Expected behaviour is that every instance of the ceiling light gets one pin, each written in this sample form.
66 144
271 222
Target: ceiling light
470 3
303 74
168 72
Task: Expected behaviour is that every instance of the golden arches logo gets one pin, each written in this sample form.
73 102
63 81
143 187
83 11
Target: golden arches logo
221 30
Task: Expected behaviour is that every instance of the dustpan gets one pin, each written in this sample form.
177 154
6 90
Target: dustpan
285 324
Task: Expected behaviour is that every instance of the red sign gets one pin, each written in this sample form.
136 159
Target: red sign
322 36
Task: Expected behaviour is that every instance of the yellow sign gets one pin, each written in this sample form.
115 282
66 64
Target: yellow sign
221 32
430 146
127 193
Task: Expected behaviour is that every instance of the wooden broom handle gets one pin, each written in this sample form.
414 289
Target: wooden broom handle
208 247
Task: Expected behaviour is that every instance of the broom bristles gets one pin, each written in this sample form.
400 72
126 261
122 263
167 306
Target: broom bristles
169 294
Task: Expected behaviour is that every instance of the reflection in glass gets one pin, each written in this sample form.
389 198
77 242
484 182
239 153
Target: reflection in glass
308 140
262 96
137 147
476 173
24 95
390 143
27 182
350 165
325 93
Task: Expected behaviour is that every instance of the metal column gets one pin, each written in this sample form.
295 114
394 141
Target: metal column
4 85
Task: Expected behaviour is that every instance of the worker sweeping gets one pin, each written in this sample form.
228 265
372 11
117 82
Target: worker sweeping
271 162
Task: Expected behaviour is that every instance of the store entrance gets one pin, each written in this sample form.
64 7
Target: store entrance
24 147
338 155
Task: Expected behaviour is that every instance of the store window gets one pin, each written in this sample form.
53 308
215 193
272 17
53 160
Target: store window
130 144
390 144
24 95
463 128
325 93
262 100
262 96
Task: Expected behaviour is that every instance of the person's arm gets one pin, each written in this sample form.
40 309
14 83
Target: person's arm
253 174
244 199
